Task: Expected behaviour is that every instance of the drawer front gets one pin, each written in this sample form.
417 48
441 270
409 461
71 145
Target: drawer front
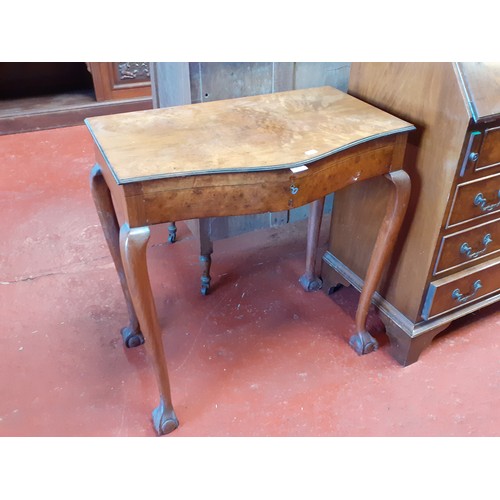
475 199
460 248
489 155
462 288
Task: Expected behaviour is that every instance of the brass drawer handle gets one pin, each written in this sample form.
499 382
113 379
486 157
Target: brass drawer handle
464 298
480 201
467 250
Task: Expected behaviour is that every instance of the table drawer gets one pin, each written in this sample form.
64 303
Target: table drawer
462 288
460 248
489 155
475 199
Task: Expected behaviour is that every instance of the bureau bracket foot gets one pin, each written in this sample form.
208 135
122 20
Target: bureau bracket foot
310 283
131 337
404 348
164 420
332 280
363 343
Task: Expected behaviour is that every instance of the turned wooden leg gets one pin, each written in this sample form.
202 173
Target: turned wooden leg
172 232
405 349
206 250
131 334
362 342
310 281
133 245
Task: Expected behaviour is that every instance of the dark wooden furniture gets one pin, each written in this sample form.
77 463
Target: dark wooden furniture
44 95
234 157
120 80
446 263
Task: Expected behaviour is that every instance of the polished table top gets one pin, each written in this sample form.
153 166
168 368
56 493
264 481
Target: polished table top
264 132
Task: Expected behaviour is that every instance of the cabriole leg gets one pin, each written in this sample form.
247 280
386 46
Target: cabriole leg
133 245
131 334
310 281
362 342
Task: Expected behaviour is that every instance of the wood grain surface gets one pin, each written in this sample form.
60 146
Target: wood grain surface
482 83
263 132
418 92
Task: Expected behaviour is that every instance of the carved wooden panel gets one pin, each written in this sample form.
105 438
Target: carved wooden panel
136 71
121 80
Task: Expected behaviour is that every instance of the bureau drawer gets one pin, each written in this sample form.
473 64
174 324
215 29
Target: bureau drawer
489 155
462 288
466 246
475 199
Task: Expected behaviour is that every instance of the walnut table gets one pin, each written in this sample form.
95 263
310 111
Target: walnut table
235 157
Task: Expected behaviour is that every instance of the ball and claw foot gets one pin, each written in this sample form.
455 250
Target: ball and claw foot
131 338
310 284
363 343
164 421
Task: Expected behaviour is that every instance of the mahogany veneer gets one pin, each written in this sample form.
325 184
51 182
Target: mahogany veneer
445 264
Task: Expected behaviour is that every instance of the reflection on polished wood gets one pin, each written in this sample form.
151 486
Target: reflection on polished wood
255 133
238 157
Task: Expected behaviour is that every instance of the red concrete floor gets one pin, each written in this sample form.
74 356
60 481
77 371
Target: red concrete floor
256 357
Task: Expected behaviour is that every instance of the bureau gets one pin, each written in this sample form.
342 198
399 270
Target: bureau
447 258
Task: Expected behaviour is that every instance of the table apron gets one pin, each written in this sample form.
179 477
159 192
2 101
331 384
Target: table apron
162 200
